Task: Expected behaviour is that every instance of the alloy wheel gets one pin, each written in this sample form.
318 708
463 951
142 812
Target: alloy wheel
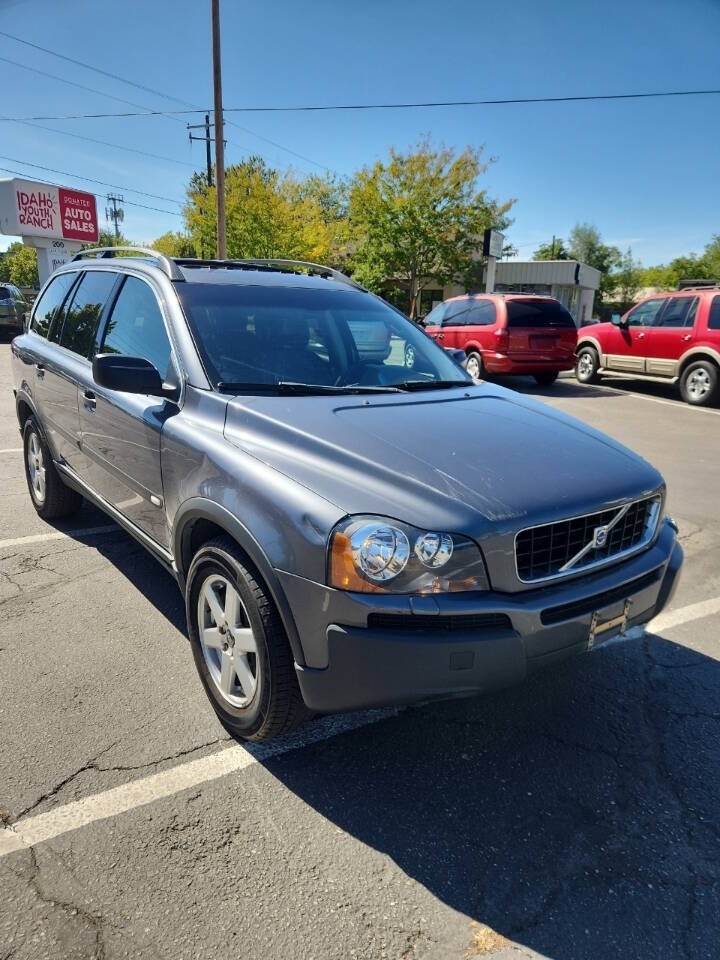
36 467
699 384
227 640
585 366
473 367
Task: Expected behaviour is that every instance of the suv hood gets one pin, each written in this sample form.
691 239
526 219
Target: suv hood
457 460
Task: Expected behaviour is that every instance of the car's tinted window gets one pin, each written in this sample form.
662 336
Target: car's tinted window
677 312
481 313
435 317
136 327
714 317
5 293
50 301
537 313
644 314
456 312
329 336
83 314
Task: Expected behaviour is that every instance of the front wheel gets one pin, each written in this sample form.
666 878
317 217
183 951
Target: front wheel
588 363
699 383
240 647
546 379
474 365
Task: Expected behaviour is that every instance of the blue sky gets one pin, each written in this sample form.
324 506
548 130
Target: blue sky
645 172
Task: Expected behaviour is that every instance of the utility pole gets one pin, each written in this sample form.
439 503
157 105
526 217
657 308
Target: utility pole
219 143
552 249
115 213
206 138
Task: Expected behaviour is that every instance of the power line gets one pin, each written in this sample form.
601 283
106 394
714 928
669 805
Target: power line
158 93
582 98
133 203
104 143
79 63
102 183
80 86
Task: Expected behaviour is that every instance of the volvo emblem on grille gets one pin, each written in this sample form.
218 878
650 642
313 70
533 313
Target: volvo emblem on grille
600 537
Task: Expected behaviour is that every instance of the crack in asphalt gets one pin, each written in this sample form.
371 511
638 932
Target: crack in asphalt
93 764
96 921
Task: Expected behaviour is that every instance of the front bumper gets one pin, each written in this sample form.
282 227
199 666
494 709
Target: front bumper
424 649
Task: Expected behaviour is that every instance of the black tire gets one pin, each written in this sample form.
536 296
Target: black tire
57 500
699 383
473 358
276 706
546 379
587 365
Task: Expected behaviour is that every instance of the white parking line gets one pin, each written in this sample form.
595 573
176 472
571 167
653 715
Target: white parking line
694 611
101 806
12 450
677 404
80 813
59 535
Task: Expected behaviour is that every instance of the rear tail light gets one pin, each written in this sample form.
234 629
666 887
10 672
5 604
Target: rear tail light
502 338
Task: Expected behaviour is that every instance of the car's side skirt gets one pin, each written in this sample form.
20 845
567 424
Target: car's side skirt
160 553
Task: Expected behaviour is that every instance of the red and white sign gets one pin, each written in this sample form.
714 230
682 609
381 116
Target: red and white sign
30 209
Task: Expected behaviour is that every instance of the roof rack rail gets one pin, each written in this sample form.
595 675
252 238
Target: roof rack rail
167 264
317 268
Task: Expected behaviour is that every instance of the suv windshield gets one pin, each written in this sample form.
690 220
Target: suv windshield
537 313
253 335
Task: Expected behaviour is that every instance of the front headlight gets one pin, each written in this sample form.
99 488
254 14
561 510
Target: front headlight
375 555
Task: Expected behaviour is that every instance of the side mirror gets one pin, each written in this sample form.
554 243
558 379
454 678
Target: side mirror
127 375
617 320
459 356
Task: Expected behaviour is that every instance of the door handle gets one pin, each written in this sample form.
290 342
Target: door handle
40 370
439 336
89 400
641 336
688 336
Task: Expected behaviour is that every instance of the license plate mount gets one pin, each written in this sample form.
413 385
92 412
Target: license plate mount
612 627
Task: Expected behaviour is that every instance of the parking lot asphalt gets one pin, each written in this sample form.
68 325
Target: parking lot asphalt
577 816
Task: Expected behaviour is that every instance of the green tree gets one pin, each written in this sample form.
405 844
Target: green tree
627 279
556 250
174 244
585 244
19 266
418 217
269 214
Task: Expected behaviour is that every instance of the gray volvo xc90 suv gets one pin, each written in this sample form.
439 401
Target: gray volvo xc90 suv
347 531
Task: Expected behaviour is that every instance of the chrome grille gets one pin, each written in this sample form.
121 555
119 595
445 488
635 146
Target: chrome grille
569 546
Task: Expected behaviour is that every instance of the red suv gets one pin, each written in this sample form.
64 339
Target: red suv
507 333
673 336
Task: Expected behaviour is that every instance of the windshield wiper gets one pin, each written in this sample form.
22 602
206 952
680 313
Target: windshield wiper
432 384
289 388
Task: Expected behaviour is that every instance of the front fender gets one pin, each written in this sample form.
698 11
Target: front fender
198 508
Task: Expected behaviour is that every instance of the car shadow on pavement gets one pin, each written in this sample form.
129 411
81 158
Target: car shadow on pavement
577 815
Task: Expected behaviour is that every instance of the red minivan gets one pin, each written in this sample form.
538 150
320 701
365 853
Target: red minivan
507 333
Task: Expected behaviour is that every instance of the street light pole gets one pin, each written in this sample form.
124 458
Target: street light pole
219 142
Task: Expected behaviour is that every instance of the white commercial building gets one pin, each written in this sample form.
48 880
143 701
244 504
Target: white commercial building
572 283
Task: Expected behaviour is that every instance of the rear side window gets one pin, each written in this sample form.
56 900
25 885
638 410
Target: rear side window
50 302
481 313
538 313
83 315
5 293
714 317
136 327
678 312
456 313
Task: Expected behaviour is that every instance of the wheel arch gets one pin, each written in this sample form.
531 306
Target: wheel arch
698 353
590 342
24 407
199 520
